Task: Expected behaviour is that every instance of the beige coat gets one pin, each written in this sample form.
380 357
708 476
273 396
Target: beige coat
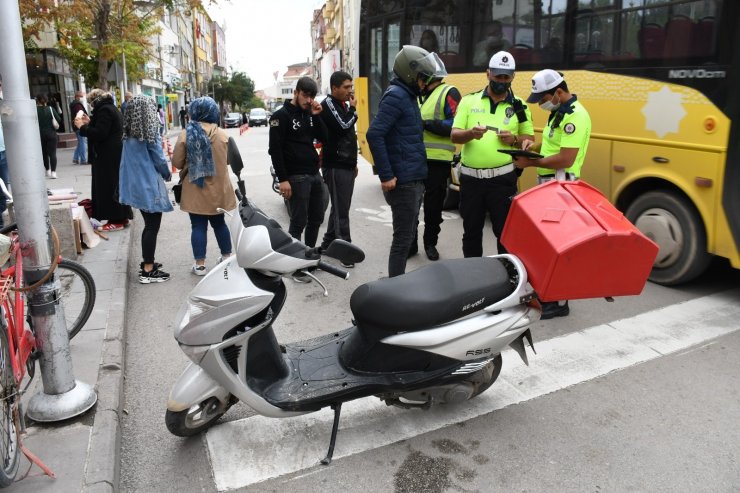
218 190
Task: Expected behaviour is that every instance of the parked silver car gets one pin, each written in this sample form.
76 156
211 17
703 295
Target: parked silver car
232 120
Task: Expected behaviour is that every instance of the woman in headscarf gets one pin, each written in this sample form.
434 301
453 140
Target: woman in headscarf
143 172
104 131
201 155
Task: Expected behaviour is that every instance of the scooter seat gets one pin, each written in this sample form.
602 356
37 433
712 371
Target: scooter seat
431 295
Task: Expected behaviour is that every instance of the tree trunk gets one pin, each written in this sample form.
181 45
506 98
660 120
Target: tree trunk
102 17
102 73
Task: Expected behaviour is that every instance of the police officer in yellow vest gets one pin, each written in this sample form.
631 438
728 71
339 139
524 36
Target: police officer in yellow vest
487 121
438 107
564 143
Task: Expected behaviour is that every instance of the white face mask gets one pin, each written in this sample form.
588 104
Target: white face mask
549 105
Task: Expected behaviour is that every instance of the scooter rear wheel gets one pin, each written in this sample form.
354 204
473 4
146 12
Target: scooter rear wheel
198 418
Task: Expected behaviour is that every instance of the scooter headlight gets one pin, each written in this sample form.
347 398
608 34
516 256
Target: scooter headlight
190 310
197 308
195 353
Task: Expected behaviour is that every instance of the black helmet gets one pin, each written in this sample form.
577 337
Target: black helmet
412 62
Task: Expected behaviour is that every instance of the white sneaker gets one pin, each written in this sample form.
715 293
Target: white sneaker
54 175
48 173
199 270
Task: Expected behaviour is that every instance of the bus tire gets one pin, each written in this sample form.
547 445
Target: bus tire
671 221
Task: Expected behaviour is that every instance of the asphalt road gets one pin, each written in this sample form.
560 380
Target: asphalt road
665 424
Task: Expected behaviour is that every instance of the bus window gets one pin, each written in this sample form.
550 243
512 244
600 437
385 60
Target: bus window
594 36
437 28
490 35
668 30
375 76
551 31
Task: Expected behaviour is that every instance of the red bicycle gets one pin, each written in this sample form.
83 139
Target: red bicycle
17 358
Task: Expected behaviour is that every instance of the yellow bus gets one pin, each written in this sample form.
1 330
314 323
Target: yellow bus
660 78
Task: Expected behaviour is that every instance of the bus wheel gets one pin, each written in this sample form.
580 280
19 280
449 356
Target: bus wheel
674 224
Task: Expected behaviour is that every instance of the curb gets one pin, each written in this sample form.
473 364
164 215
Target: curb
102 465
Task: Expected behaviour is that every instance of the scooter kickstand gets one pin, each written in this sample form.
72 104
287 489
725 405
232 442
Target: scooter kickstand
335 427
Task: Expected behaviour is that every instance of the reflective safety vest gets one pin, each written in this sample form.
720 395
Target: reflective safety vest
437 147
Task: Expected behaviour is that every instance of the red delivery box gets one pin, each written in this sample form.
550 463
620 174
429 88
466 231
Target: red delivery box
575 244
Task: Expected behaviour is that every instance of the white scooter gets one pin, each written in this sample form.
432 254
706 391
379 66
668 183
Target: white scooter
431 336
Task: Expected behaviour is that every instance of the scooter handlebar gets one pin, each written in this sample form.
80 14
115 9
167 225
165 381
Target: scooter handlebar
332 269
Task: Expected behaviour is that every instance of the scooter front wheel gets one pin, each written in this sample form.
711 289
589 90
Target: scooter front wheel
198 418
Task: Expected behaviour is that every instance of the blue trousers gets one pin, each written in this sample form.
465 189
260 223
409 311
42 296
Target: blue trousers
199 234
80 154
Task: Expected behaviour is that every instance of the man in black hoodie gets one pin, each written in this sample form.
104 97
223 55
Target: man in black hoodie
339 155
293 129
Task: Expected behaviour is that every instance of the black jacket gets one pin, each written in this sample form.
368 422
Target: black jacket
340 149
292 132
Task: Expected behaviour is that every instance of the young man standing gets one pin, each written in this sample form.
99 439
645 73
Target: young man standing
339 155
293 129
80 155
564 143
397 144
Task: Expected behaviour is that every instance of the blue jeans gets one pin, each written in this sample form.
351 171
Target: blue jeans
6 179
80 154
405 201
306 207
199 234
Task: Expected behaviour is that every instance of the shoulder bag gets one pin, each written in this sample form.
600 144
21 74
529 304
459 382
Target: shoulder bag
54 122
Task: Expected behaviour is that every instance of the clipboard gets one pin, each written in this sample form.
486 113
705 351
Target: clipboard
517 153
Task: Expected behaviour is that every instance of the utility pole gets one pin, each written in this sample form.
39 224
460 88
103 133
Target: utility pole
63 397
125 75
165 99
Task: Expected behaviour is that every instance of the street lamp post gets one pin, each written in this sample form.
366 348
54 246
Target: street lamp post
63 397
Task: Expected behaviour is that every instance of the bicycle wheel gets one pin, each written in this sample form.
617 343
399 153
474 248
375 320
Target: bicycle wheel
77 292
9 449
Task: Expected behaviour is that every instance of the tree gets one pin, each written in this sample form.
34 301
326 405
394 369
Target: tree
237 90
93 33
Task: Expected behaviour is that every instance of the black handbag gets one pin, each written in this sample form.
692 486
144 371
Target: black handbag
177 189
177 192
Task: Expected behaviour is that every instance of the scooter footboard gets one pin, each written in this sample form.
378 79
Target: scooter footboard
193 387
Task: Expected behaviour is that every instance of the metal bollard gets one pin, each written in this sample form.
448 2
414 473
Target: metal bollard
63 397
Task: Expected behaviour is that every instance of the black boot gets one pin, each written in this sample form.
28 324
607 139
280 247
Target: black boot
432 253
552 309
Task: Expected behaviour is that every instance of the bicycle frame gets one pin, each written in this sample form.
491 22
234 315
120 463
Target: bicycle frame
22 341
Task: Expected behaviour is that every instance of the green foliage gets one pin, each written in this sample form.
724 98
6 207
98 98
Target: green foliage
237 90
93 33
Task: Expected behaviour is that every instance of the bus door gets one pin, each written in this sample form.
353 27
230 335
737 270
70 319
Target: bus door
384 43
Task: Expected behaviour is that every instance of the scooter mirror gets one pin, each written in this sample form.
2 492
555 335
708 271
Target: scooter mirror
345 251
235 158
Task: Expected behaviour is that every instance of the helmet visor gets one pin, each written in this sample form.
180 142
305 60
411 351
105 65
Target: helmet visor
432 67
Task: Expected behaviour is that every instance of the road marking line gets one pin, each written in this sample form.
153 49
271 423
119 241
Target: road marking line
255 449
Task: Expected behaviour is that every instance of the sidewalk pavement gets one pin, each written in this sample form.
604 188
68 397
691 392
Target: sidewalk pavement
84 452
